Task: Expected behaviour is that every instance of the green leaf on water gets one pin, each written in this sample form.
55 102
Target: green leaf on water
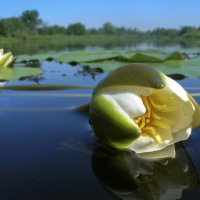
105 55
175 56
39 57
124 56
86 56
169 62
107 66
140 57
189 68
18 72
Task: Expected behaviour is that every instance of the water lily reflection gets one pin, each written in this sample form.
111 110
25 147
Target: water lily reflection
125 176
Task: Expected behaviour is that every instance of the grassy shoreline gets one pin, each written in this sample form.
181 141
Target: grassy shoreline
69 38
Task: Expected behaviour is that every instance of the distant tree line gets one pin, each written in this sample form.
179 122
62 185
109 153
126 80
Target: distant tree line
29 23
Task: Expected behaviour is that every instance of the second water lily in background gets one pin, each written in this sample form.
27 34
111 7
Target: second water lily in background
6 60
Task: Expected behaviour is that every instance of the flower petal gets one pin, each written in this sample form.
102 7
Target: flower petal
175 97
130 103
196 117
4 58
182 116
176 89
147 144
181 135
10 61
168 152
142 145
1 53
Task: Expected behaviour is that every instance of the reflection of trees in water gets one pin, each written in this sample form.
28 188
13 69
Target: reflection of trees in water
34 47
26 46
125 176
88 71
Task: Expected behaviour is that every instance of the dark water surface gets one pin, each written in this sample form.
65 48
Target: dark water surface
48 151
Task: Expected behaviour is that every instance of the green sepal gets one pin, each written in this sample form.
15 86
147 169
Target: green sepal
133 75
110 125
196 117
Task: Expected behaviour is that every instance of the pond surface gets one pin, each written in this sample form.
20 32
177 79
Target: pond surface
48 150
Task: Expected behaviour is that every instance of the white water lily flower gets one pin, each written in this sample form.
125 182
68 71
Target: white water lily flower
139 108
6 60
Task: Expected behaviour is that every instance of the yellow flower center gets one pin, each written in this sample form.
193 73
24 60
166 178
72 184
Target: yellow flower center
152 118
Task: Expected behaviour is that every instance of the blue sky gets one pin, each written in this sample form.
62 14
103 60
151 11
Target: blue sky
142 14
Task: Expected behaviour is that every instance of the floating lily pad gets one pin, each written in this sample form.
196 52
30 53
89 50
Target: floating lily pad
169 62
18 72
107 66
44 56
124 56
84 56
98 56
189 68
